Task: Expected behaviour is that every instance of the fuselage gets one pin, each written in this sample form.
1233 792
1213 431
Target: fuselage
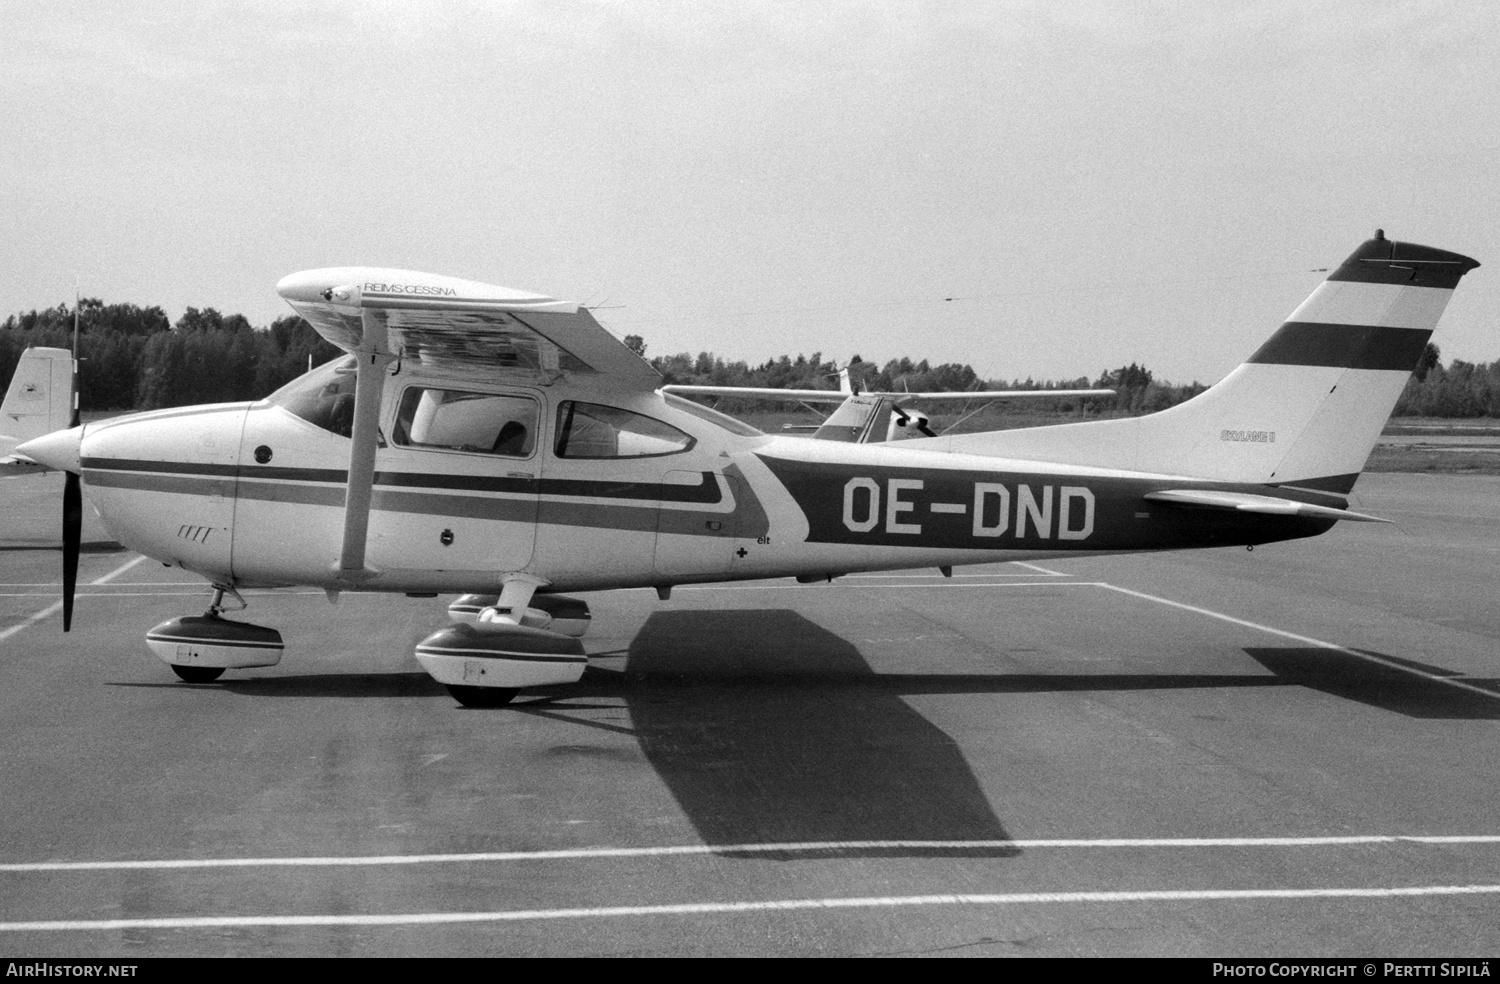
587 488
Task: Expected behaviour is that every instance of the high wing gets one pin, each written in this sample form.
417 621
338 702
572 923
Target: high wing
462 325
384 316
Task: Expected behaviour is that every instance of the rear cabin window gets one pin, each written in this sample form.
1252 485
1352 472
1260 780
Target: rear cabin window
457 420
590 430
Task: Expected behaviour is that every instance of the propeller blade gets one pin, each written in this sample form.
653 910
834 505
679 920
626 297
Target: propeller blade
72 534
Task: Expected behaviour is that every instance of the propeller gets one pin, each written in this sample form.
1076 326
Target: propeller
919 421
62 450
72 533
72 495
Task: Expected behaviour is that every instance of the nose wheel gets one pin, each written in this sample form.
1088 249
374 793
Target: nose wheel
198 674
481 696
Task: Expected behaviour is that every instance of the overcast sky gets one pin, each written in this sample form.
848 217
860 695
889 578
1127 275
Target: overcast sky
1091 183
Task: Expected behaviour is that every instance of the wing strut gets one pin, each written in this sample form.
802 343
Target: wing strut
373 358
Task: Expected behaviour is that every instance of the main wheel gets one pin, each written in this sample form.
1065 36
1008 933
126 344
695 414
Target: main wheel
198 674
482 696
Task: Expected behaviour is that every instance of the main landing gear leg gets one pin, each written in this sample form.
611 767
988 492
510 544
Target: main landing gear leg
208 674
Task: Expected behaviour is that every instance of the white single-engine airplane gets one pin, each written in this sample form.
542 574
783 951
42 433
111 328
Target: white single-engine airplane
859 414
504 445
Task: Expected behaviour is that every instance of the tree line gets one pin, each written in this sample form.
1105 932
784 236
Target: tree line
135 358
1136 388
1461 389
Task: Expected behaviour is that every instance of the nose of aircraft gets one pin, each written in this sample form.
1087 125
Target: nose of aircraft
59 450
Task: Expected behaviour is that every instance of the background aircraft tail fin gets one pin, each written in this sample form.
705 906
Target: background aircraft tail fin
39 400
1305 409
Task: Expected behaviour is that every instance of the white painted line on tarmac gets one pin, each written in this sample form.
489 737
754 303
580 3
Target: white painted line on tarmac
1309 640
118 571
1039 567
56 606
793 847
117 594
838 585
56 585
31 620
715 908
939 577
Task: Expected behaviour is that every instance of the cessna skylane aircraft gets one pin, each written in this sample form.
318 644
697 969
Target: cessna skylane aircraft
503 445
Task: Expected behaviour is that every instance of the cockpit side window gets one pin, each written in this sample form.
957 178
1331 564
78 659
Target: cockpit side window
590 430
458 420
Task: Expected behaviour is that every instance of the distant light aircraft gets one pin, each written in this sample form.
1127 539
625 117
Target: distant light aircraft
859 414
503 445
39 401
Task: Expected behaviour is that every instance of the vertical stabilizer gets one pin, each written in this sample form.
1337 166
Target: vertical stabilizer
859 419
1305 409
40 398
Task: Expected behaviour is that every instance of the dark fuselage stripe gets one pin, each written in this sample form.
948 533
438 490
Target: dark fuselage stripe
1310 343
632 514
171 484
706 492
1328 483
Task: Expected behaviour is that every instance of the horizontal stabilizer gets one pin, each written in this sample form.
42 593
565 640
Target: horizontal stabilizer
1249 502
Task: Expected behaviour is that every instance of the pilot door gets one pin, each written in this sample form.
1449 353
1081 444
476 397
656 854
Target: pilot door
456 480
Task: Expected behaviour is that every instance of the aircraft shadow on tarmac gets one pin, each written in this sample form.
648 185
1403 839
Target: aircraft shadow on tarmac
1344 675
769 729
758 724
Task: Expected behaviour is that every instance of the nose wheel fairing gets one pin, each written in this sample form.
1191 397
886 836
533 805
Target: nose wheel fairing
211 642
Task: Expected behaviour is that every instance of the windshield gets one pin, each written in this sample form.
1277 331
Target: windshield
323 397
